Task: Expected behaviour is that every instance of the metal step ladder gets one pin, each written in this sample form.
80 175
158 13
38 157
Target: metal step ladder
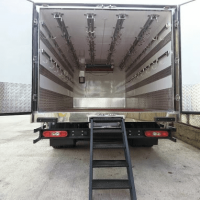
95 184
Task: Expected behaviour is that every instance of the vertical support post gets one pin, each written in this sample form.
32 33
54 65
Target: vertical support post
34 99
188 119
91 160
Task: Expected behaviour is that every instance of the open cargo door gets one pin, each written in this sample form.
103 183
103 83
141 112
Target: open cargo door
16 53
190 62
139 53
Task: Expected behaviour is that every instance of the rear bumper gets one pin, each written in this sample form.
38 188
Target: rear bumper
81 131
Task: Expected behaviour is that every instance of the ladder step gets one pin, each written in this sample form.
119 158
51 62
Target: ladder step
95 184
108 146
109 163
107 130
107 119
110 184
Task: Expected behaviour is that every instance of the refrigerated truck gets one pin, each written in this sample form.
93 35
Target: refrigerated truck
92 64
103 60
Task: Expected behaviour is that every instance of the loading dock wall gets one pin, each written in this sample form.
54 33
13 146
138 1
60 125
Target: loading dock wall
186 133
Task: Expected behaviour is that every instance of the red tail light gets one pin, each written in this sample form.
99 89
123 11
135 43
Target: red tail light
156 134
55 133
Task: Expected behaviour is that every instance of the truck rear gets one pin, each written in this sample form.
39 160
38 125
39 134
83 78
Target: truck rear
102 60
94 65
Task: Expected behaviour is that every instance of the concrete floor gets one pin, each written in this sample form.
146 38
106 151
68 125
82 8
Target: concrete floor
169 171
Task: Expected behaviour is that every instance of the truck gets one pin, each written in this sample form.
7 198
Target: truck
94 64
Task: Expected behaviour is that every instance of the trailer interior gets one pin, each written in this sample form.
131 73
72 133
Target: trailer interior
100 59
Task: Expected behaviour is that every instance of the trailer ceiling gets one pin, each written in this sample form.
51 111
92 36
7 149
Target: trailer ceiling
104 23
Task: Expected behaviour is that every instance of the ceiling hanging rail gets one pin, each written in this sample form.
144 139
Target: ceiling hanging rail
66 36
148 46
54 52
91 35
139 38
149 66
116 35
57 46
58 70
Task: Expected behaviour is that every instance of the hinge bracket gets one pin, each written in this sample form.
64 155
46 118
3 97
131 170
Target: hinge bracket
35 59
35 22
177 60
176 23
34 97
177 97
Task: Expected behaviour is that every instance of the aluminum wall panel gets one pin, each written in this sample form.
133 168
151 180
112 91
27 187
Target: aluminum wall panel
162 74
52 101
15 97
190 97
49 75
101 85
157 48
152 89
161 84
159 100
54 52
48 84
99 102
163 63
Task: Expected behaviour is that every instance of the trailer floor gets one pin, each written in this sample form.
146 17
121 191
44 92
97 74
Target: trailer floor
169 171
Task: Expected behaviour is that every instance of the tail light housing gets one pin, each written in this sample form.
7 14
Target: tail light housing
156 133
55 133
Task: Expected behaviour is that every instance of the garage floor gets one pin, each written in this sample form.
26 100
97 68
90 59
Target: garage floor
169 171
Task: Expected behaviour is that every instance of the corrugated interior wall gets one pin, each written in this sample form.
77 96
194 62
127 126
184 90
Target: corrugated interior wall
65 49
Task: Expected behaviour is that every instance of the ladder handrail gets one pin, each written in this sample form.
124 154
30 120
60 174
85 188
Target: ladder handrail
127 155
91 160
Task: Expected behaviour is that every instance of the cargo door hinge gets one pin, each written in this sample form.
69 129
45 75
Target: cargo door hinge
35 59
176 23
177 97
34 97
35 22
177 60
